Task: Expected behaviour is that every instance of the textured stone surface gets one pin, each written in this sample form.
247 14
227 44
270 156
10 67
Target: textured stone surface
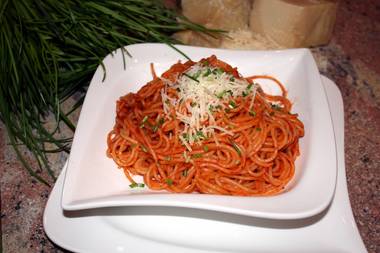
352 60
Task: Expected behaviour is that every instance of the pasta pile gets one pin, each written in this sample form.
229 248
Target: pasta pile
202 127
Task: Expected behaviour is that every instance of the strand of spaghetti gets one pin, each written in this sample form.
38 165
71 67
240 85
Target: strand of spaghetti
284 92
152 70
211 188
234 186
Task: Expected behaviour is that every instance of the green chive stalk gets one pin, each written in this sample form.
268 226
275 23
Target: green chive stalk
49 51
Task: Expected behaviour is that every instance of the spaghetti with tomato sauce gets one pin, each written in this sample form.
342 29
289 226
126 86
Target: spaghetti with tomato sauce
202 127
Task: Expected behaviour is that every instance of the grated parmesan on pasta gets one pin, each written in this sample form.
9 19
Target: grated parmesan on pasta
208 89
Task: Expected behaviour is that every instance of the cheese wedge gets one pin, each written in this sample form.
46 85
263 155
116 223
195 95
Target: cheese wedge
294 23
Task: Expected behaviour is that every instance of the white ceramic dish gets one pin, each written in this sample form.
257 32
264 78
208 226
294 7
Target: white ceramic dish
143 229
93 180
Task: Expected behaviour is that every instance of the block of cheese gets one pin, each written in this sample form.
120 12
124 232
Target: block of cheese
219 14
294 23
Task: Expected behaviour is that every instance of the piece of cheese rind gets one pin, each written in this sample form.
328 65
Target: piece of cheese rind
294 23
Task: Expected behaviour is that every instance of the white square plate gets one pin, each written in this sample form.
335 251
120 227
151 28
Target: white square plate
92 180
139 229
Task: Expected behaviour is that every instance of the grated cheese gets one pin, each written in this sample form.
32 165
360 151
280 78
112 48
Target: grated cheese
204 89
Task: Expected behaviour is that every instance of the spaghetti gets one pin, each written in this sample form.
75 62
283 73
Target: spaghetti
202 127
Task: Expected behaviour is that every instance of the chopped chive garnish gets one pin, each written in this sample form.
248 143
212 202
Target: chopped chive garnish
201 135
252 113
161 121
205 148
143 148
154 128
197 155
258 128
192 78
218 71
232 79
236 147
245 93
192 104
169 181
227 110
249 86
143 121
186 137
211 108
206 63
232 104
218 107
135 185
207 73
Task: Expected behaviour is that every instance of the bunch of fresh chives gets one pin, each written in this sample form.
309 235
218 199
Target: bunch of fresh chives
50 49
